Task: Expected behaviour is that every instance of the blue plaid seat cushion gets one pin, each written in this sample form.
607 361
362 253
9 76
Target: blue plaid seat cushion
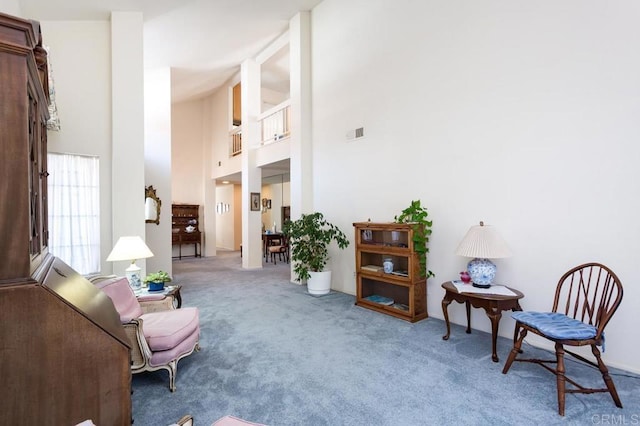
556 325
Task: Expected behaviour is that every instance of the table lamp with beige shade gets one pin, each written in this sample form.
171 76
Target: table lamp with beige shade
130 248
482 242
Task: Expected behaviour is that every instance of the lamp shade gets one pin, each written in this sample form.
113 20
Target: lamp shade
483 241
129 248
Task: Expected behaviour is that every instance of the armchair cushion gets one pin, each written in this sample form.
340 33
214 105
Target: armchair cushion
124 300
165 329
181 350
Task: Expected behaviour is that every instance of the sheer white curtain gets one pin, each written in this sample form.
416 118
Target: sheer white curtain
74 210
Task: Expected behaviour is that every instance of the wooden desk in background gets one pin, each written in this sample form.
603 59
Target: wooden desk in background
187 238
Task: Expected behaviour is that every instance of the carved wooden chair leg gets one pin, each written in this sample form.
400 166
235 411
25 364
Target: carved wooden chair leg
605 375
561 380
516 349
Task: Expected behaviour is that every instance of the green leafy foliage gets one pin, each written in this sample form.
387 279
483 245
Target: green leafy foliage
417 215
157 277
309 239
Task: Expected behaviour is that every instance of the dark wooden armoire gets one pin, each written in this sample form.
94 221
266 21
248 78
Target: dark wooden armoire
64 356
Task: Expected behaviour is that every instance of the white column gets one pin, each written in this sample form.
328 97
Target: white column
301 186
251 175
300 81
209 219
127 128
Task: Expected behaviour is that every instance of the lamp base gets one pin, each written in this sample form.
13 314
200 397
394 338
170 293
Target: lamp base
482 272
482 285
133 275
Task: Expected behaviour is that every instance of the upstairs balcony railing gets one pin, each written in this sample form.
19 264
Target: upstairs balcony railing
276 123
235 141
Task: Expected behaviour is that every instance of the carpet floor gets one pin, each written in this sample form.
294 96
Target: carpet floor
273 354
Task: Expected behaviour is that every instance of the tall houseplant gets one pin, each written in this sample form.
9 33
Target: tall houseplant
417 215
309 238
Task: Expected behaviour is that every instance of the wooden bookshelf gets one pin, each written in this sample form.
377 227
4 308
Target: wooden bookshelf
404 285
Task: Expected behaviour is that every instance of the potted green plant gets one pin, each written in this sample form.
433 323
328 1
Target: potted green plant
156 280
417 215
309 238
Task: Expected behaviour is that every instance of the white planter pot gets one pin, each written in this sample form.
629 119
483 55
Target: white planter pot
319 283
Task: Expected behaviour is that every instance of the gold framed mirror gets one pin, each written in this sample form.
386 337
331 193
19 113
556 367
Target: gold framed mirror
151 205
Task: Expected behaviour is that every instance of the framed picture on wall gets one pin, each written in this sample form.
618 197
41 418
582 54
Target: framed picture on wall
255 201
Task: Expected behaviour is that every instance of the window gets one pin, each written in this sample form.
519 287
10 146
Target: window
74 210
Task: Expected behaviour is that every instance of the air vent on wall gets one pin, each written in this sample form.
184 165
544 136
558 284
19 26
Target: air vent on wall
355 134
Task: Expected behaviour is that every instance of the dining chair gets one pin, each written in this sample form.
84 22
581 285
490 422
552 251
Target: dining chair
270 239
586 298
280 250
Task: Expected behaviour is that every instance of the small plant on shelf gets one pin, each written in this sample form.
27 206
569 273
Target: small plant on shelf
417 215
156 280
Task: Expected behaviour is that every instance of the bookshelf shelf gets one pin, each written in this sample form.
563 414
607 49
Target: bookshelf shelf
375 243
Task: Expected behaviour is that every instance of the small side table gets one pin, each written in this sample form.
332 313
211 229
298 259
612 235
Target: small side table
171 291
493 304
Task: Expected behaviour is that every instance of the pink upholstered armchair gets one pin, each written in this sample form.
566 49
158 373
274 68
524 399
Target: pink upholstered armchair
158 339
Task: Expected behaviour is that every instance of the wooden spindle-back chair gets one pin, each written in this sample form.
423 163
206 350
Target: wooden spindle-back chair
586 298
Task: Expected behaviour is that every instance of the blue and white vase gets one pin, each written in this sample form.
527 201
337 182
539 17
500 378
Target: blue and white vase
482 272
387 265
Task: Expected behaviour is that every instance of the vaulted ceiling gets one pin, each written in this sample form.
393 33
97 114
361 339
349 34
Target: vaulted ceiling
203 41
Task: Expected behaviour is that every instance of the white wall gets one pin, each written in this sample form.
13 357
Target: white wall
521 114
200 155
280 195
186 153
87 58
188 161
270 98
217 121
11 7
268 215
225 222
236 210
80 54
